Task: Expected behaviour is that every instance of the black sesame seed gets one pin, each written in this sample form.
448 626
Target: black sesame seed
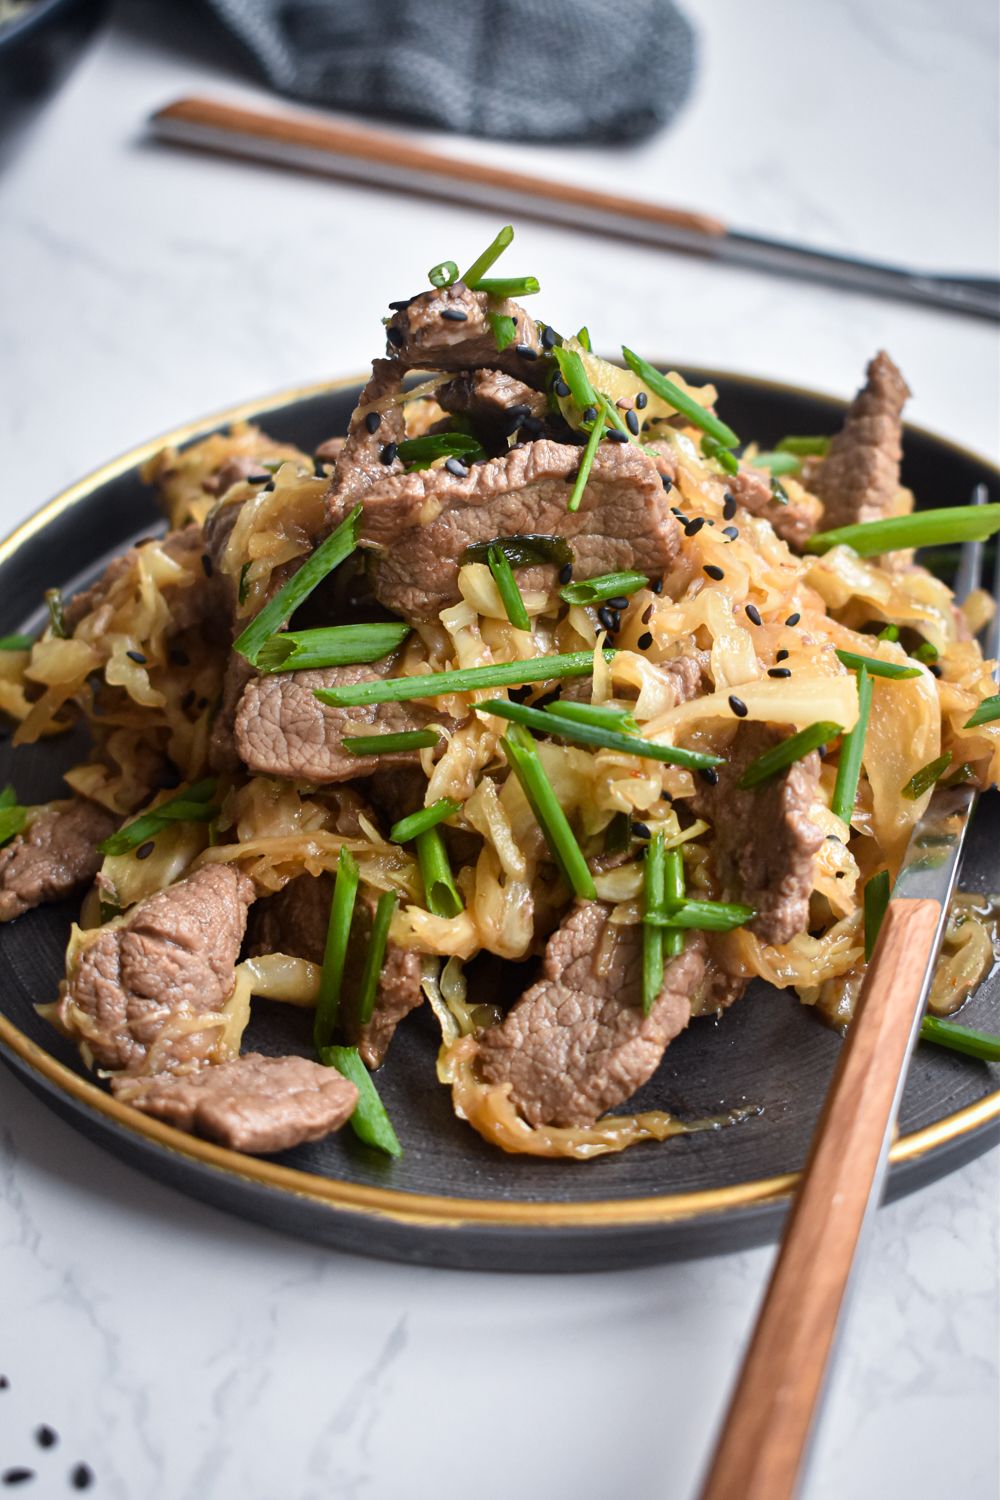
258 478
781 656
632 423
82 1477
728 506
188 700
207 564
620 601
525 351
455 315
753 615
518 694
319 468
793 619
202 703
714 571
589 413
606 618
738 707
642 401
456 467
647 614
839 874
821 751
395 336
268 488
667 796
641 830
645 640
615 436
657 586
146 849
710 774
732 532
561 389
779 671
565 572
373 421
17 1476
934 669
387 454
45 1436
676 511
136 656
549 337
692 528
616 617
667 482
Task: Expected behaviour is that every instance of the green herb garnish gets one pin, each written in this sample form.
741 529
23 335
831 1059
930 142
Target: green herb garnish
192 805
702 916
389 744
674 894
653 894
419 822
442 894
680 400
586 464
604 586
926 652
876 667
712 448
12 815
491 254
522 550
876 900
960 1038
805 447
327 556
462 679
57 619
375 956
603 715
338 932
16 642
522 756
445 274
889 633
921 781
986 713
508 286
591 734
510 594
924 528
583 339
332 646
573 373
421 452
369 1121
504 329
779 757
777 463
852 748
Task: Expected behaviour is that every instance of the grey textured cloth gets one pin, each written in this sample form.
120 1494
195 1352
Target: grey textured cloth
532 70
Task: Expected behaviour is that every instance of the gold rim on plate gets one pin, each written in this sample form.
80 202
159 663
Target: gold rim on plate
423 1210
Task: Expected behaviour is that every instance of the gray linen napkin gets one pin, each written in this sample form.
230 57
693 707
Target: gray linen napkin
530 70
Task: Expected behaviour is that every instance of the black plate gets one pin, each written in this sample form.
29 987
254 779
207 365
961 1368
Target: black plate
452 1199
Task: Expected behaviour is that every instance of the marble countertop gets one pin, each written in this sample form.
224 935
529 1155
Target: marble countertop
184 1355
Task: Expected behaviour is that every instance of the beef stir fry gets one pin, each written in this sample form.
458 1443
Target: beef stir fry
540 661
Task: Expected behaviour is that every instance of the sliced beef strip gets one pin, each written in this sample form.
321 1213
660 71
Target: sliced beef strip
764 841
240 466
430 333
54 857
859 477
295 921
794 522
254 1103
329 451
499 405
361 462
192 603
418 525
172 960
282 728
223 751
577 1043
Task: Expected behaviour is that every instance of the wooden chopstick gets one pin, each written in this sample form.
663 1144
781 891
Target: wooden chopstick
765 1436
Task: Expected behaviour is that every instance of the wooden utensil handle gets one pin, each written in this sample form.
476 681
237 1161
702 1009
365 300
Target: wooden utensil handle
763 1442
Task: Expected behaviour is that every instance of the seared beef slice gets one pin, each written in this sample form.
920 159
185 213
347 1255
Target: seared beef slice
859 476
55 856
577 1043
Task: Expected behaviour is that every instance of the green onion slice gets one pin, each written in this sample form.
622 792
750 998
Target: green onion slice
12 815
924 528
779 757
333 646
504 329
54 604
420 452
777 463
889 633
586 464
192 805
674 893
702 916
572 371
591 734
680 400
389 744
510 594
876 667
525 549
523 758
462 680
16 642
583 339
986 713
369 1121
653 892
921 781
852 748
443 896
926 652
508 286
604 586
327 556
960 1038
712 448
491 254
338 932
375 957
419 822
603 715
444 274
805 447
876 900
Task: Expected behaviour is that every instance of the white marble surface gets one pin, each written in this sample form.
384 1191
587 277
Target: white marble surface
184 1354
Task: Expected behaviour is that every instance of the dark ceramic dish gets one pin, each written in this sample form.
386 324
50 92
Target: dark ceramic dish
452 1200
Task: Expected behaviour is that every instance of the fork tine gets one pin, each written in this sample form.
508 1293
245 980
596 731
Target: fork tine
970 567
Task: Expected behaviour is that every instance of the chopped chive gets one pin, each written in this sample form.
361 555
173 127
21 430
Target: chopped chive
890 633
419 822
679 400
332 646
926 652
674 893
777 463
876 901
986 713
504 329
522 550
702 916
345 892
57 620
852 748
375 957
508 286
712 448
390 744
924 528
601 714
604 586
573 373
444 274
12 815
16 642
462 679
522 756
778 491
327 556
583 339
618 834
876 667
921 781
369 1121
805 447
491 254
960 1038
787 753
441 892
191 805
962 775
244 587
510 594
586 464
614 417
422 451
653 891
8 797
591 734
